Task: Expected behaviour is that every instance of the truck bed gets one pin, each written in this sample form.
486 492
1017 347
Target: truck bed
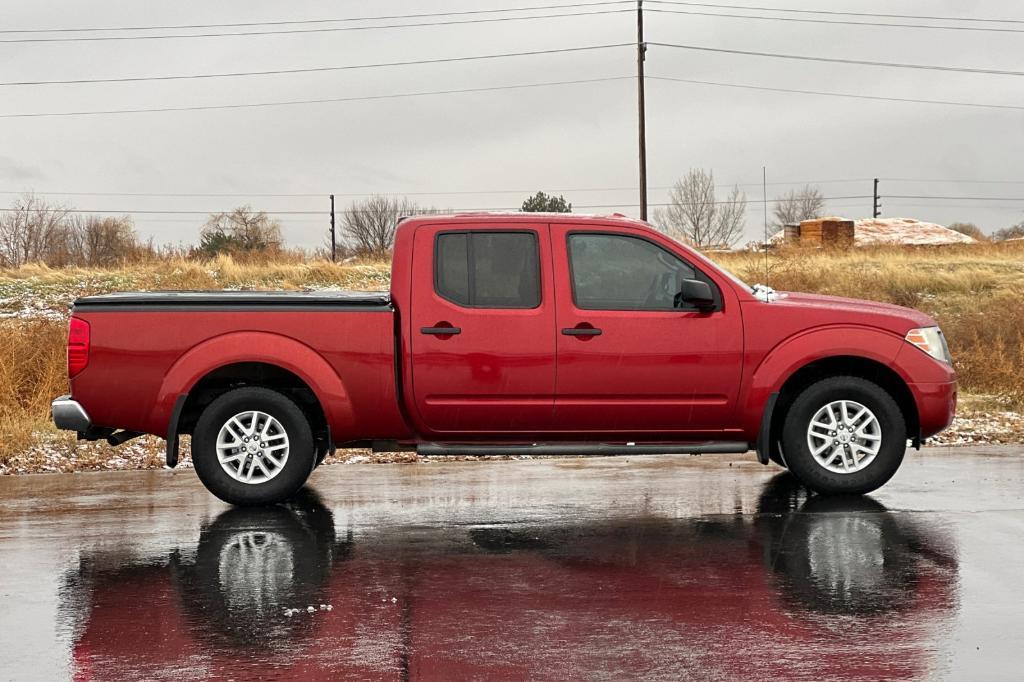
305 300
149 348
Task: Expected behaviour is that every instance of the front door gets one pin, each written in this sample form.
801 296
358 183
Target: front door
632 358
483 329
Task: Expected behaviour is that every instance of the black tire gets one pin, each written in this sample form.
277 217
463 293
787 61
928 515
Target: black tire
294 472
814 475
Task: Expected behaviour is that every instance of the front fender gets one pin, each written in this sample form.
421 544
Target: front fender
801 349
264 347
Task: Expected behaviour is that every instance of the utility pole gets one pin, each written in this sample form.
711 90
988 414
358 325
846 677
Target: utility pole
641 49
334 243
878 206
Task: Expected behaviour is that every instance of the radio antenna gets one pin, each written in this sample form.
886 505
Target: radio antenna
764 189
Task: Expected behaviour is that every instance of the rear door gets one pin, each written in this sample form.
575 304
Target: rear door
633 358
483 328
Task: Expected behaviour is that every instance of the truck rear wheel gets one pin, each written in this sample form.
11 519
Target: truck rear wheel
253 446
844 435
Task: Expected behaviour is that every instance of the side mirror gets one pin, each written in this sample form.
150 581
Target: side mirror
697 294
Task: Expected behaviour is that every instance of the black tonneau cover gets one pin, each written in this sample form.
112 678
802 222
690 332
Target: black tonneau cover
366 301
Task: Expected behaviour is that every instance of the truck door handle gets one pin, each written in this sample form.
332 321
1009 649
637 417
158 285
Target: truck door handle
582 331
441 331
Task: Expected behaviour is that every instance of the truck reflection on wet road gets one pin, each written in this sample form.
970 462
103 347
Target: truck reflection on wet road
783 586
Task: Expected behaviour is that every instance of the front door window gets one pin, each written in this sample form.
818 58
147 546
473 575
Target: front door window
619 272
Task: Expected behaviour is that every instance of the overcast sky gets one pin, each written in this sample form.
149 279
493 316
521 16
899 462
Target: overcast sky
506 144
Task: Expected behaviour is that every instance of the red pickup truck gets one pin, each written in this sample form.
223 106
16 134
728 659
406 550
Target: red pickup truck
512 334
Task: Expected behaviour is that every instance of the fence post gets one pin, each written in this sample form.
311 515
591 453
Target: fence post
334 242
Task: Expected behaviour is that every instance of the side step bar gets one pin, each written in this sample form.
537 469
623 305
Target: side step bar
710 448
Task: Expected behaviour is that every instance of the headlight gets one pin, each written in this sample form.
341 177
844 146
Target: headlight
931 341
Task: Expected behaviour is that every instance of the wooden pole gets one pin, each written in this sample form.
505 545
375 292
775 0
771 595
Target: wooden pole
641 49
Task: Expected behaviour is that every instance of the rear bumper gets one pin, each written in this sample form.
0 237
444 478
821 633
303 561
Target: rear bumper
936 406
69 415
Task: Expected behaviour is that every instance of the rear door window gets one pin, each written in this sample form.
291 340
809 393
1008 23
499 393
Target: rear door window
488 269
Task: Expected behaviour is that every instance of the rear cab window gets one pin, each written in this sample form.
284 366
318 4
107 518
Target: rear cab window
488 269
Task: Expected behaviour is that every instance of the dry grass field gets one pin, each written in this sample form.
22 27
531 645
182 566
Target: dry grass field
975 292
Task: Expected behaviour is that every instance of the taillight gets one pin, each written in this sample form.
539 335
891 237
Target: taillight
78 346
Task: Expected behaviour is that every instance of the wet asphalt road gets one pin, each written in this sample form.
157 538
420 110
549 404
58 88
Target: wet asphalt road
653 567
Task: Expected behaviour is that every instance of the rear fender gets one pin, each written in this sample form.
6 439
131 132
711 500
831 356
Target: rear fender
272 349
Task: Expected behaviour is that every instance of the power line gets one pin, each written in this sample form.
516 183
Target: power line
290 221
840 94
791 182
426 15
160 212
836 60
958 182
291 31
317 195
388 17
839 13
453 210
319 69
325 100
987 207
177 194
838 22
516 191
326 214
364 98
925 196
320 195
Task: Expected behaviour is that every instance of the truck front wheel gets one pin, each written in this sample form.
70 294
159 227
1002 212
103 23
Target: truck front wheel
844 435
253 446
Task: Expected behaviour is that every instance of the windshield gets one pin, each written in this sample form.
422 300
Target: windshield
736 280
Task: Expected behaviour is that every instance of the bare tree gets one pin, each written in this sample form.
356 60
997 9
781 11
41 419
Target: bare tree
1012 232
696 216
971 230
104 241
31 231
797 205
370 223
242 231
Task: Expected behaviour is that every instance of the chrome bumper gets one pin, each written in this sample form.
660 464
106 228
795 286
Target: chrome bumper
69 415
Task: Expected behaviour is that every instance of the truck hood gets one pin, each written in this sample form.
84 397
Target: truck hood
893 317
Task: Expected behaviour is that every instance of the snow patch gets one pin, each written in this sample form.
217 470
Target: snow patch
899 231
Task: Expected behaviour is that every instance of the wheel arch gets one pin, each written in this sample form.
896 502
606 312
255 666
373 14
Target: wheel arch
262 374
254 359
845 365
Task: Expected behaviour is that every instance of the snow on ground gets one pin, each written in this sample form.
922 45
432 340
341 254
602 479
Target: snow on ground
36 298
61 453
983 428
56 453
11 310
871 231
899 231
